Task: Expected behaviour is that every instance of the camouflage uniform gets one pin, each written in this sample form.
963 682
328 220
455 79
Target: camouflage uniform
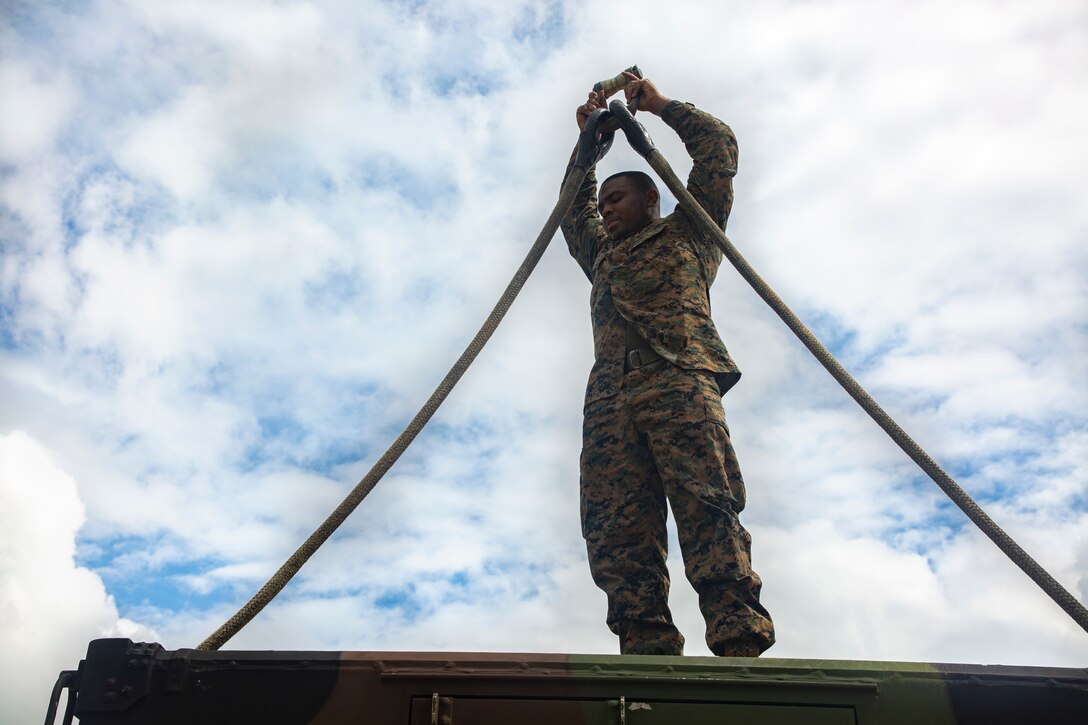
658 431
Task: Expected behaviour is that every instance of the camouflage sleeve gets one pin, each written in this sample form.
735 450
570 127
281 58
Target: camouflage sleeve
713 150
582 226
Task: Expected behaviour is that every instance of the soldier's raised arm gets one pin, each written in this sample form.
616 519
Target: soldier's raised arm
581 226
713 150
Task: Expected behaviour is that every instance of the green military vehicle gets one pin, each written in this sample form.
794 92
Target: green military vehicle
125 682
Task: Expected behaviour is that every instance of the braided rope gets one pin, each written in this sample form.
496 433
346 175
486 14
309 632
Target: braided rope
290 567
961 498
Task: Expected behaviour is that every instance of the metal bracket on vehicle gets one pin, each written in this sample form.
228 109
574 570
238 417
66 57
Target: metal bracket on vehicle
441 710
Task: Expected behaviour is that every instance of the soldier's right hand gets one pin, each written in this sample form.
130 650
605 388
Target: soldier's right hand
596 100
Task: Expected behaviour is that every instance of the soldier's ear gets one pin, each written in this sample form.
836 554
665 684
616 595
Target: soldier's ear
652 198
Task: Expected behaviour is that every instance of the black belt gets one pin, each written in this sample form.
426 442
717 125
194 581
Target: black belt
634 359
638 352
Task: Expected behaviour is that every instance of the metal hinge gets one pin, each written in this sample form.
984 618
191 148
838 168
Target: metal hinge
441 710
621 705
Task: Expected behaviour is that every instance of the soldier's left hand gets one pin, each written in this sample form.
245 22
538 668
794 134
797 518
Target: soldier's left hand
650 99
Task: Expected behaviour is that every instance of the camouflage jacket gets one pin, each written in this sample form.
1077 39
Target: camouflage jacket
658 279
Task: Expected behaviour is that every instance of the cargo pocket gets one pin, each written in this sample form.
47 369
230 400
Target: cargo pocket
731 479
716 415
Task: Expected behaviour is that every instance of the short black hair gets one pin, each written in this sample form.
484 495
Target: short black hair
641 180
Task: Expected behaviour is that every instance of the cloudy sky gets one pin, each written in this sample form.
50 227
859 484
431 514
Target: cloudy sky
242 242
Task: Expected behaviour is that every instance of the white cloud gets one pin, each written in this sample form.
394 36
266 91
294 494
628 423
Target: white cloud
36 108
50 606
181 147
841 597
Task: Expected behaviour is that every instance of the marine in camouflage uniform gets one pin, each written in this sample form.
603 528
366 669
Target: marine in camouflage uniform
654 428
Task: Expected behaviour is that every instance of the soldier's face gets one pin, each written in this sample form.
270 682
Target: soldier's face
625 208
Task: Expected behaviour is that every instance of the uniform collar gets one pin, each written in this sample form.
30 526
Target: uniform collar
647 232
629 243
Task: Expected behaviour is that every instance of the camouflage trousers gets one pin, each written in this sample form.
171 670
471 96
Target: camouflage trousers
664 437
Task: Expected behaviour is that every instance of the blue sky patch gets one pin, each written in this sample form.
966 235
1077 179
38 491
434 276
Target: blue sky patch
165 589
277 169
285 438
462 84
430 191
161 586
136 212
34 26
337 290
842 341
403 600
7 328
543 35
